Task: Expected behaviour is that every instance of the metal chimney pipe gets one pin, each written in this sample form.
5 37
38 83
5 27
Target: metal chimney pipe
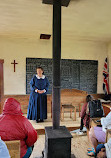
56 63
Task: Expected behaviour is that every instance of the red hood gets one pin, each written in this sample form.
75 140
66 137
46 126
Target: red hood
12 106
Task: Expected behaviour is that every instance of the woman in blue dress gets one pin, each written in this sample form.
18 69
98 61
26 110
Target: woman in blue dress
37 108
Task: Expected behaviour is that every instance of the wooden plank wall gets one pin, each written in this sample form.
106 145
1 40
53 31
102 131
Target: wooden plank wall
24 101
73 96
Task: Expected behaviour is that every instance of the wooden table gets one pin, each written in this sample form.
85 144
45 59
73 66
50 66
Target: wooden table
67 107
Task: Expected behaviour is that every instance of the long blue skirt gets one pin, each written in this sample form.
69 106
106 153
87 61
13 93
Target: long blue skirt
37 108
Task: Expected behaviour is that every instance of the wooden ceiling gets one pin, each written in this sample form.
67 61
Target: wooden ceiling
82 19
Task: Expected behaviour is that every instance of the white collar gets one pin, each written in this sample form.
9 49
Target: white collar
43 76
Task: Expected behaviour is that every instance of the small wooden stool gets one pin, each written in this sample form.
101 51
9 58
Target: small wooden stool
68 107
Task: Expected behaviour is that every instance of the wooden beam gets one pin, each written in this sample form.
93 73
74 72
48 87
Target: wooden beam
1 83
63 2
1 61
42 131
56 63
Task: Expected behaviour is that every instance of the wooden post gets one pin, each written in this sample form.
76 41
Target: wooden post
56 63
56 58
57 138
1 83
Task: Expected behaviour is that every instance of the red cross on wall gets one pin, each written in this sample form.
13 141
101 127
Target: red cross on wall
14 64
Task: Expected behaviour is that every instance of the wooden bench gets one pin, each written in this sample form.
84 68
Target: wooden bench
72 96
108 134
24 108
68 107
14 148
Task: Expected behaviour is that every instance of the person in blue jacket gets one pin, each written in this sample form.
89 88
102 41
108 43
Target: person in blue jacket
37 108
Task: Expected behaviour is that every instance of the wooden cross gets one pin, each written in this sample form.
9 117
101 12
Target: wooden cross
14 64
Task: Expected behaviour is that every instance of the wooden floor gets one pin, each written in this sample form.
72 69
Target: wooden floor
79 146
68 122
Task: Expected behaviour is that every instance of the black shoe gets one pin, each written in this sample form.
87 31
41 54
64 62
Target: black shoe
37 121
41 120
43 154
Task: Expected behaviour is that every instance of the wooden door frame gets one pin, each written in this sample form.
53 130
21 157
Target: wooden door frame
1 84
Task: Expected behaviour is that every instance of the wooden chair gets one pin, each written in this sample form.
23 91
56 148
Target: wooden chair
108 134
95 121
68 107
14 148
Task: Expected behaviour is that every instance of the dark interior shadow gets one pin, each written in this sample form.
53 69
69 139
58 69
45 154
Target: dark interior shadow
72 156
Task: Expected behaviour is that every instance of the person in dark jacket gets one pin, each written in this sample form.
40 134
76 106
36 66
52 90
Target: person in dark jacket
85 117
14 126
